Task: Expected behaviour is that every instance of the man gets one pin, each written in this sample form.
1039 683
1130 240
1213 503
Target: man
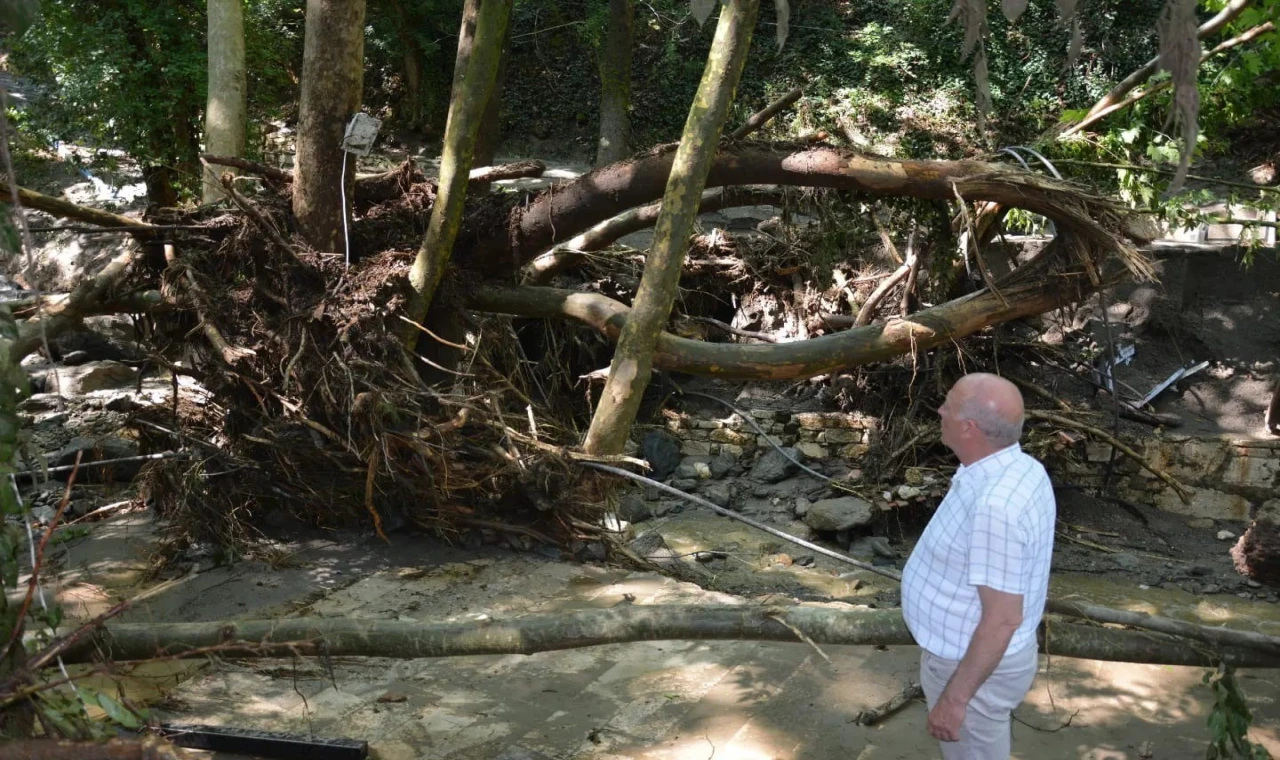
974 588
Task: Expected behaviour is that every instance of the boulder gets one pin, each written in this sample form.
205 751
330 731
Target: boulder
662 452
96 450
841 513
90 377
773 465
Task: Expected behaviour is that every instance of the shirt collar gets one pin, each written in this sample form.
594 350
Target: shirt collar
991 461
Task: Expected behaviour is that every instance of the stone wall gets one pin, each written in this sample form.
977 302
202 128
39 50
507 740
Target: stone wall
1228 477
818 435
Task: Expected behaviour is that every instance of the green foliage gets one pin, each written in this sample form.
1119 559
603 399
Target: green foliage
1229 719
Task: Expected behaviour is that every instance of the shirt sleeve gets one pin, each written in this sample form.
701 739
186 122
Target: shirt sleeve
998 550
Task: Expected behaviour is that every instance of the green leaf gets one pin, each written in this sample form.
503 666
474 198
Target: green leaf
118 712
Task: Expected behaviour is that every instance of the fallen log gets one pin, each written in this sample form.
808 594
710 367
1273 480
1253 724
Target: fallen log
341 637
64 314
68 210
555 216
806 358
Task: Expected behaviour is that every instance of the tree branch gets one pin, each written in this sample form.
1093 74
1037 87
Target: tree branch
762 117
1097 114
68 210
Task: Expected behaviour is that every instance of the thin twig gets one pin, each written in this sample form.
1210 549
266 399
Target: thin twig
767 338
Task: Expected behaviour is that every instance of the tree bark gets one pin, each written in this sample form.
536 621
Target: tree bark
615 84
480 68
225 116
412 69
490 135
555 216
633 357
339 637
1271 420
332 78
1228 14
805 358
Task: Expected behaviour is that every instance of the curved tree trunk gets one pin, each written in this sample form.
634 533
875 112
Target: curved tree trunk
615 84
479 50
555 216
633 357
332 78
225 119
803 358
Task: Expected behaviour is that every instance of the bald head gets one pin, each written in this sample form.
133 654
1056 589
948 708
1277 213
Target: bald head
993 404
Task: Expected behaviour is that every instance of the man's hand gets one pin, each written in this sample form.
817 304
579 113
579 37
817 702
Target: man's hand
945 720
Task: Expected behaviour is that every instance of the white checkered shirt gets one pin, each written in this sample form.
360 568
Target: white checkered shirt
994 529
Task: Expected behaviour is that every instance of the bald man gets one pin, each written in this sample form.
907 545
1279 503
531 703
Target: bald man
974 588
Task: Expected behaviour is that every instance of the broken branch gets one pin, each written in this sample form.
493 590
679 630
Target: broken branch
762 117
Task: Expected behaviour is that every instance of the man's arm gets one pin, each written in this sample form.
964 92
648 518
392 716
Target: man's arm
1001 616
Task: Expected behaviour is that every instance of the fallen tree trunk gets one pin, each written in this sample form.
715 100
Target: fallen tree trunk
339 637
557 215
68 210
806 358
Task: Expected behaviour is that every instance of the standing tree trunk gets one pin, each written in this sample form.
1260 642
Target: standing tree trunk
615 84
633 358
412 54
484 27
332 77
224 131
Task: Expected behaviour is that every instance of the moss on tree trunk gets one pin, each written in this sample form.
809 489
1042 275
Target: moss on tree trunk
633 358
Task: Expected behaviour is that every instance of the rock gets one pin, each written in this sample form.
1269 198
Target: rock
1253 584
76 358
703 470
908 492
1126 561
43 515
1200 523
686 472
1225 535
96 450
104 338
840 513
774 466
93 376
1200 570
720 494
802 506
662 452
805 560
684 484
869 547
722 464
801 531
1211 588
